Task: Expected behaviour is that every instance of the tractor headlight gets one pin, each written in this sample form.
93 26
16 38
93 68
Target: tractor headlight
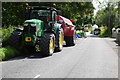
26 24
33 24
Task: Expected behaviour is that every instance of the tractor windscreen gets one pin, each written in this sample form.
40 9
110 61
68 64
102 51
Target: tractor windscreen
43 15
30 27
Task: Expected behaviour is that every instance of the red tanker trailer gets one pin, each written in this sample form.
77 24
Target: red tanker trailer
69 30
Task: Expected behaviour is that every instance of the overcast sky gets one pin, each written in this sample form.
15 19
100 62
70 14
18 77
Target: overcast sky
95 4
103 3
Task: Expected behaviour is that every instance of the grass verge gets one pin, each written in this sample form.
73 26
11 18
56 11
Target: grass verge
8 52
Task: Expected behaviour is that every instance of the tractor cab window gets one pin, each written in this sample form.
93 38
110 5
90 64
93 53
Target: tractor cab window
43 15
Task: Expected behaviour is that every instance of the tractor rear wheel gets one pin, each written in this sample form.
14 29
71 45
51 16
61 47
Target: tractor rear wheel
47 44
14 39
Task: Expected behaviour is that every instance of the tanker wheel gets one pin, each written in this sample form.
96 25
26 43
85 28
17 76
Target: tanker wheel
60 40
47 44
14 39
70 40
119 42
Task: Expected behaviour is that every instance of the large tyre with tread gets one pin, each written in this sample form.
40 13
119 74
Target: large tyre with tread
119 43
60 40
70 40
14 39
47 44
118 36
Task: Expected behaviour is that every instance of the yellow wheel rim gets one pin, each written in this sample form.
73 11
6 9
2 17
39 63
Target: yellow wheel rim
61 39
51 44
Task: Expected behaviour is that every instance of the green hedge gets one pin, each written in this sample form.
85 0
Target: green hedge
8 52
5 33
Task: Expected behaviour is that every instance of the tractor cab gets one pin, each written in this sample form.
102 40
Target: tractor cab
43 13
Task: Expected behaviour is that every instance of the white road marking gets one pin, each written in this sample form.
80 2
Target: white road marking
37 76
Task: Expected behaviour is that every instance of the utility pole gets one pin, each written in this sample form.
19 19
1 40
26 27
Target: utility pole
108 22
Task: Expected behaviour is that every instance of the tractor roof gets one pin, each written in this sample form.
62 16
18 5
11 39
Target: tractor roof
42 8
33 21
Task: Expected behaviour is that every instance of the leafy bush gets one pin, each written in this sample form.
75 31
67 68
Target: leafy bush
6 32
7 53
0 32
117 26
0 36
104 31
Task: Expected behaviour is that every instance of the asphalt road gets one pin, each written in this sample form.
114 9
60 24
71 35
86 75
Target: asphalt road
92 57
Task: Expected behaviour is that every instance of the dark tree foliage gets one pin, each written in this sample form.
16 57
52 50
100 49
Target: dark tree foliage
13 12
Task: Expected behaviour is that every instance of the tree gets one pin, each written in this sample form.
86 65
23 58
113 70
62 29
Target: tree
108 16
13 12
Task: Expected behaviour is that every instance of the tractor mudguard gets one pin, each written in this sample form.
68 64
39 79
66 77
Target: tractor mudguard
58 26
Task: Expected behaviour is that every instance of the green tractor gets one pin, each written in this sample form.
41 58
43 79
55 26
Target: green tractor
41 31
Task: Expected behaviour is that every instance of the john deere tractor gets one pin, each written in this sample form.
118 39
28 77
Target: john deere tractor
41 31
